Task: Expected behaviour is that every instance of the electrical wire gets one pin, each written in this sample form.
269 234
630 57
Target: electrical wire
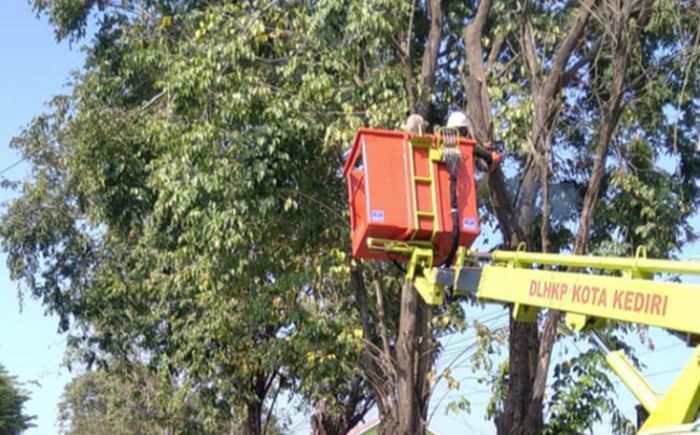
455 348
662 348
11 166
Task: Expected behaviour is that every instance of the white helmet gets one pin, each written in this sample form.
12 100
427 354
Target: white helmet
457 119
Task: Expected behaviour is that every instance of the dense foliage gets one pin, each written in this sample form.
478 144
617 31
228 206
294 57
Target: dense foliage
13 417
128 400
185 208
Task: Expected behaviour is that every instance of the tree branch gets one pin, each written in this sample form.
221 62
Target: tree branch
571 41
272 406
479 109
429 61
495 51
570 73
383 331
528 50
478 104
624 46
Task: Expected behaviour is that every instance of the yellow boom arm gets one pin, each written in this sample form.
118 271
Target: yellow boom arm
665 304
588 300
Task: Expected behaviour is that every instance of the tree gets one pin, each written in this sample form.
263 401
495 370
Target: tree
101 403
127 401
159 182
185 202
594 58
13 419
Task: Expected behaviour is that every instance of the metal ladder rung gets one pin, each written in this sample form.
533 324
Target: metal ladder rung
423 145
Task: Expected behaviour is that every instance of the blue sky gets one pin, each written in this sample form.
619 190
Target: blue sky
34 68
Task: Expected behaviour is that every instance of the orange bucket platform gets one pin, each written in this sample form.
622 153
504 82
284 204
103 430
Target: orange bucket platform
398 193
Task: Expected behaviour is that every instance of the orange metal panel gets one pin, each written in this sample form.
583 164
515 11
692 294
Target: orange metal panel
381 187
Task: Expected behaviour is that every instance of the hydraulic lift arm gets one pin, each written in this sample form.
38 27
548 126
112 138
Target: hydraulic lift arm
633 297
404 213
588 300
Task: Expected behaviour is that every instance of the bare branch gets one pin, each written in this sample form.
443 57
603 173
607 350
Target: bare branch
529 52
409 33
383 331
571 41
479 109
478 103
495 51
430 56
624 45
681 95
271 407
583 60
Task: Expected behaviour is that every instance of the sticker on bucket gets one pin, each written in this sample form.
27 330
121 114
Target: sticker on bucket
469 223
377 215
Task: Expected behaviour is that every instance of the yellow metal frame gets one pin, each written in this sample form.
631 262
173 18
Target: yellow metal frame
668 305
425 282
634 380
680 403
399 247
633 297
638 264
421 142
447 137
588 299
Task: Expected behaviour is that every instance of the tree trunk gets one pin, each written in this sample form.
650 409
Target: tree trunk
625 40
521 415
522 350
414 344
382 378
253 423
410 421
319 423
346 415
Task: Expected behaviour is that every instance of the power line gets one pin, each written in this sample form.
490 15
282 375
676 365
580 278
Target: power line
488 321
483 319
663 372
463 421
11 166
662 348
470 339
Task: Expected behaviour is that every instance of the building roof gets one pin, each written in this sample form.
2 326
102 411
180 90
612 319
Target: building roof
371 427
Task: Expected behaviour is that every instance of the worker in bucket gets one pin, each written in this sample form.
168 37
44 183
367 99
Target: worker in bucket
458 120
416 124
487 151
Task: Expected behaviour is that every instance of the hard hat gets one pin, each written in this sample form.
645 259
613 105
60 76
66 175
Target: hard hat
457 119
